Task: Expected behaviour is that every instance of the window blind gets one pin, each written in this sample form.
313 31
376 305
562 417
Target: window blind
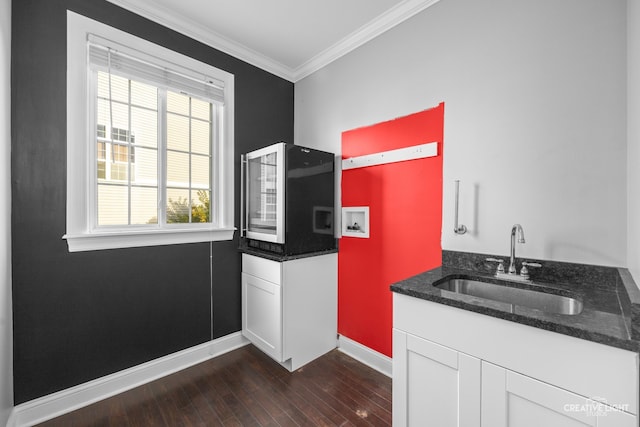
111 57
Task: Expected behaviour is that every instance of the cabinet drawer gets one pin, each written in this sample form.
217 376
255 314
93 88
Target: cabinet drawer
263 268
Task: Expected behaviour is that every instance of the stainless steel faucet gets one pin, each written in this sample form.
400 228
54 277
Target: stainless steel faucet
511 273
512 261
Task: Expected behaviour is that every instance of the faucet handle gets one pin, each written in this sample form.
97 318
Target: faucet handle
500 264
531 264
524 271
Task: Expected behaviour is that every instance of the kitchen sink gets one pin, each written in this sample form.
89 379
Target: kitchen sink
543 301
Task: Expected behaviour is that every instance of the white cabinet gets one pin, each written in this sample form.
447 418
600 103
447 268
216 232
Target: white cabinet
289 309
261 314
514 400
434 383
452 367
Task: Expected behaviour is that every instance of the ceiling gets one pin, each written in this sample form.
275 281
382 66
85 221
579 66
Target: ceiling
289 38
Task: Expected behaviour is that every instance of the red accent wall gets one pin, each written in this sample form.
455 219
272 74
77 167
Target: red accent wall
405 203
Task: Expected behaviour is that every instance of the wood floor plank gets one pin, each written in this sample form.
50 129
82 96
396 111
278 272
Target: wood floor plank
334 417
181 410
284 397
246 388
324 391
351 392
207 388
365 378
298 407
239 411
243 389
200 402
146 412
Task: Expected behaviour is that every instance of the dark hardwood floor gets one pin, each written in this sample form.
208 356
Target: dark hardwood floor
246 388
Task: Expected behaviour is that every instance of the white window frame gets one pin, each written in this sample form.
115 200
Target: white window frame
81 235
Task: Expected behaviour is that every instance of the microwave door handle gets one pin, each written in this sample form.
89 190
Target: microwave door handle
243 182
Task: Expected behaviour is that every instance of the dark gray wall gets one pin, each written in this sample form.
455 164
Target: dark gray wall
80 316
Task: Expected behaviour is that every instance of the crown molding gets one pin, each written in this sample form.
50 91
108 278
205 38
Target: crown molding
394 16
196 31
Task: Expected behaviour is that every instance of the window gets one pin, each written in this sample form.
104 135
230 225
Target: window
150 143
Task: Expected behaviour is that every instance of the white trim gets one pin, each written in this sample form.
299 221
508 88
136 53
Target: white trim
170 19
62 402
394 16
196 31
135 239
364 354
398 155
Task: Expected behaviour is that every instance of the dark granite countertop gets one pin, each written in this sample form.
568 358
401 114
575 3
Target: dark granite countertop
281 258
611 299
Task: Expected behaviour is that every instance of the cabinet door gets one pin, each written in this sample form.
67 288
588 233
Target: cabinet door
513 400
433 385
264 197
262 314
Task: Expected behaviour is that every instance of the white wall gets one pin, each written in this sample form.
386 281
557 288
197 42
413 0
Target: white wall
6 338
633 124
535 127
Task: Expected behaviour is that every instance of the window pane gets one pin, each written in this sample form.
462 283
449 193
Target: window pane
120 153
177 132
146 167
113 205
177 206
200 206
144 95
191 169
177 103
101 153
200 109
200 171
177 169
103 85
200 136
119 87
119 171
120 115
144 205
144 124
102 117
102 169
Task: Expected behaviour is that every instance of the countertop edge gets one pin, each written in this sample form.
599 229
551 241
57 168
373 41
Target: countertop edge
620 280
547 325
282 258
630 302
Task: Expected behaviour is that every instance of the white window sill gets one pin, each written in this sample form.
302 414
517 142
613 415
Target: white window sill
139 238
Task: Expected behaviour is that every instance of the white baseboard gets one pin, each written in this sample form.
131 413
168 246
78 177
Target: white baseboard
62 402
364 354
